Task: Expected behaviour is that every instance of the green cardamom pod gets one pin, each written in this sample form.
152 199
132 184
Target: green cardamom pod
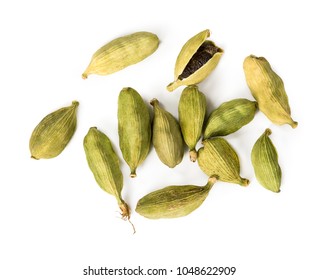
121 53
196 60
217 157
191 112
264 158
268 89
230 117
105 166
134 128
53 133
173 201
167 136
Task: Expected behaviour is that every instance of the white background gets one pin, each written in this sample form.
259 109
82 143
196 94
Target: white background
55 220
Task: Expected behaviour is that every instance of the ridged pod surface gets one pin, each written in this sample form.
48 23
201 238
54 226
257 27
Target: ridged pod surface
217 157
191 112
105 166
53 133
167 137
196 60
268 90
121 53
230 117
264 158
173 201
134 128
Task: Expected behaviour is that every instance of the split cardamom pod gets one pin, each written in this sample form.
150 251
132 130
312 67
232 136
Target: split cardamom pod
268 90
105 166
173 201
230 117
196 60
134 128
191 112
167 136
121 53
217 157
53 133
264 158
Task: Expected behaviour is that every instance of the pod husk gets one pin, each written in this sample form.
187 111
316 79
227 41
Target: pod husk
191 112
264 159
187 53
230 117
121 53
268 90
53 133
134 128
167 137
173 201
217 157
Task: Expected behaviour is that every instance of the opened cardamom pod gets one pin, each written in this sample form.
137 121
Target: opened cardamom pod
121 53
230 117
196 60
264 158
191 112
174 201
167 136
134 128
53 133
218 158
268 90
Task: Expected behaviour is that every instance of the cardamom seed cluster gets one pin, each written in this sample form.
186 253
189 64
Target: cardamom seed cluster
139 129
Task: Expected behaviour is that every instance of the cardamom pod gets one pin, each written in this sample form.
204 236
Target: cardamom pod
191 112
264 158
134 128
53 133
230 117
167 136
217 157
196 60
268 89
121 53
173 201
105 166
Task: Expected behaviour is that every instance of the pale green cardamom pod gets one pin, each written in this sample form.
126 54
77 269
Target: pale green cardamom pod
121 53
173 201
53 133
217 157
167 137
264 158
196 60
230 117
268 90
105 166
134 128
191 112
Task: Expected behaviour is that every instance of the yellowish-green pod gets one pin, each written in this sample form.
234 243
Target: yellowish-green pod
268 90
173 201
230 117
105 166
134 128
264 158
53 133
217 157
196 60
167 137
121 53
191 112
